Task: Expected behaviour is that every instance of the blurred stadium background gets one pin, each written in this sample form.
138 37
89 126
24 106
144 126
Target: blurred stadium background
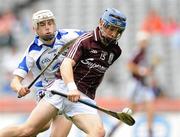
162 19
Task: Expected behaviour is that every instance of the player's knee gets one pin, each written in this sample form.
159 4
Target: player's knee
99 131
102 132
28 130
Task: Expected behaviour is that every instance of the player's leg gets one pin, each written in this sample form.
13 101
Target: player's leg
149 108
39 117
39 95
57 130
46 127
150 116
60 126
89 123
84 117
132 91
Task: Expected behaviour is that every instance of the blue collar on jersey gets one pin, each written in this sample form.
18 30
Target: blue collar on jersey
38 42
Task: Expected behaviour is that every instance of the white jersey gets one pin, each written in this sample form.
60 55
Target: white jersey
38 55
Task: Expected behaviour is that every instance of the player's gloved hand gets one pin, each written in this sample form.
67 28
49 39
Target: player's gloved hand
23 91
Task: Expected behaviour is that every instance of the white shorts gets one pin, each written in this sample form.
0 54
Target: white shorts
139 93
64 105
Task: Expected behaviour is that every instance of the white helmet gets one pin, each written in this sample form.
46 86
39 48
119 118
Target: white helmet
41 15
142 36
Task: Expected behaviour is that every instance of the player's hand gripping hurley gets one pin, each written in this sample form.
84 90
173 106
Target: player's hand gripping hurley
63 48
122 116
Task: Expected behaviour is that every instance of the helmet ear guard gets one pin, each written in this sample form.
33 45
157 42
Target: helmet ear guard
42 15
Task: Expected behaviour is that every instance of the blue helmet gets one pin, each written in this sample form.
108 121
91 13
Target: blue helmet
114 17
111 18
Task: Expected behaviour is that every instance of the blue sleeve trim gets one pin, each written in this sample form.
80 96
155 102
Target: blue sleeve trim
34 46
23 65
80 32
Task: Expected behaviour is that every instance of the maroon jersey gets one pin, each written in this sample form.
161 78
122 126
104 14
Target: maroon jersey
139 59
92 60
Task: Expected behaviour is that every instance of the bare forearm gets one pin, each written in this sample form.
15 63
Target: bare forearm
16 83
68 77
133 68
138 70
67 71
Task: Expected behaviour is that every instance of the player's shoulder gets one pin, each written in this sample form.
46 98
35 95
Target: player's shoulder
134 54
85 40
35 45
88 35
64 32
137 51
118 48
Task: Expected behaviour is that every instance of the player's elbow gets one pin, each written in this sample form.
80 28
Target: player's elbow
129 66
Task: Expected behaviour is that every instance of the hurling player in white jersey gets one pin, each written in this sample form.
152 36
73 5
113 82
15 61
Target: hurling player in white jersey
38 54
80 60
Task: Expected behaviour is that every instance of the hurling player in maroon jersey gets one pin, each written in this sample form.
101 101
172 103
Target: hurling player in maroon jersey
140 87
81 73
84 67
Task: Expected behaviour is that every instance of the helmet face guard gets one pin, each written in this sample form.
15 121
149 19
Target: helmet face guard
111 21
